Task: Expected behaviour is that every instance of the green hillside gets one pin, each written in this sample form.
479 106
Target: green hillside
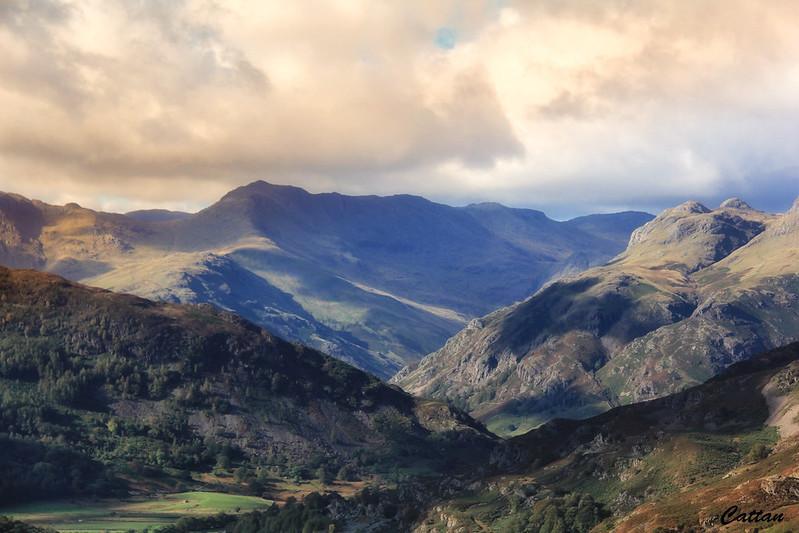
106 394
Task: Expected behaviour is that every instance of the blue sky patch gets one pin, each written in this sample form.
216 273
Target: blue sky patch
446 38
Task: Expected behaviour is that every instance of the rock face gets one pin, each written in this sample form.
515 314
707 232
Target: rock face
782 487
376 281
696 290
735 203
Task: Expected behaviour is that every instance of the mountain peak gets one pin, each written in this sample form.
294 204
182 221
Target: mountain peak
691 206
734 203
787 224
157 215
486 205
261 187
694 236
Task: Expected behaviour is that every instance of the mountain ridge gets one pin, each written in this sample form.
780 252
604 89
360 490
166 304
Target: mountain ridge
376 281
696 290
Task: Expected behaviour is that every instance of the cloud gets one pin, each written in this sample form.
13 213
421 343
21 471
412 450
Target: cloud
569 105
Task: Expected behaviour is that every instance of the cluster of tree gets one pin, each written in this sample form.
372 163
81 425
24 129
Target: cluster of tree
757 452
9 525
572 513
71 358
32 470
73 341
309 516
385 510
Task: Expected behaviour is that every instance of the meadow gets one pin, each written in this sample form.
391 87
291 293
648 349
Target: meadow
131 514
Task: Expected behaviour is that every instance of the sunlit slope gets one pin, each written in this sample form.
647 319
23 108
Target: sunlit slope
696 290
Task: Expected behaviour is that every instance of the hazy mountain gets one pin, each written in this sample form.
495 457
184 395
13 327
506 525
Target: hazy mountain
468 260
376 281
676 463
157 215
119 381
696 290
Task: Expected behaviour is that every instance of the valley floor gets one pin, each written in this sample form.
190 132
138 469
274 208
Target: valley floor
139 514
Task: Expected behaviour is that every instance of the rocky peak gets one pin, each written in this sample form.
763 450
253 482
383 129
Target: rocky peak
734 203
689 207
787 224
262 188
693 236
666 222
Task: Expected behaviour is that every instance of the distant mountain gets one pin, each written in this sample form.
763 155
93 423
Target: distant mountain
376 281
94 381
696 290
157 215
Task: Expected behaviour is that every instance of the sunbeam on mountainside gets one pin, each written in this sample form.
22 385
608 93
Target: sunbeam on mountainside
376 281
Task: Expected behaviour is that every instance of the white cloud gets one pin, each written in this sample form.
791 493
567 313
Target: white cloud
574 103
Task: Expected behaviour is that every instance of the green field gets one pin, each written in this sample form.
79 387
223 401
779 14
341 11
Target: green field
137 514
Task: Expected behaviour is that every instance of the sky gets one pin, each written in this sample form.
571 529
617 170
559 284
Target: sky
570 106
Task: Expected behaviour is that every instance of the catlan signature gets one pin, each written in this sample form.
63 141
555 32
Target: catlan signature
734 515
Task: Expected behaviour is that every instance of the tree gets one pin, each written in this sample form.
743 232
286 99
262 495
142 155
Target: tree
587 514
324 475
758 452
223 461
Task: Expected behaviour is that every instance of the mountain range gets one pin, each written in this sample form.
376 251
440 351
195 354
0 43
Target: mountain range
376 281
696 290
109 394
656 351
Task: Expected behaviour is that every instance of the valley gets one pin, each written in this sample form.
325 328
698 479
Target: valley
655 391
346 266
378 282
132 514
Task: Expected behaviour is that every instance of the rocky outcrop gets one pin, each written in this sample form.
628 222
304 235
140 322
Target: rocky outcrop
735 203
783 488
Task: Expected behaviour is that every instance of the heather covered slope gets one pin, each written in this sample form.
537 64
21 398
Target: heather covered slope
696 290
376 281
670 464
146 390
